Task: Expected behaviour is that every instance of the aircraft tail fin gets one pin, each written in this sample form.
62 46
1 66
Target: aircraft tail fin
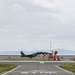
22 54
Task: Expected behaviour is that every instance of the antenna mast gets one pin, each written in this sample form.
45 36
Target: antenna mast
50 46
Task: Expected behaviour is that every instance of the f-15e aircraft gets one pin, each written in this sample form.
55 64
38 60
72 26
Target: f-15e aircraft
33 55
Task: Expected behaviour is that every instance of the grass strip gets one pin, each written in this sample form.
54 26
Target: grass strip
70 67
6 67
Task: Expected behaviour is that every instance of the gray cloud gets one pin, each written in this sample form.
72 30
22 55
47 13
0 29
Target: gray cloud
25 24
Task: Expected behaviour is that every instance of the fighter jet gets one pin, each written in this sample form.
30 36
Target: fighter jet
33 55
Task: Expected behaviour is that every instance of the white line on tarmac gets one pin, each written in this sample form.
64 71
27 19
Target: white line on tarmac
11 70
25 72
63 70
37 72
34 72
46 72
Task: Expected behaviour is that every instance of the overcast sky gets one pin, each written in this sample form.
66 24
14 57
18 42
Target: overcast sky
32 24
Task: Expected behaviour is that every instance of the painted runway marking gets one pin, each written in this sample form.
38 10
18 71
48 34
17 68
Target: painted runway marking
40 72
63 70
25 72
49 72
11 70
41 62
34 72
46 72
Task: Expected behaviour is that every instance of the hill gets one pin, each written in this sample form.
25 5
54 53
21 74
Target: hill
60 52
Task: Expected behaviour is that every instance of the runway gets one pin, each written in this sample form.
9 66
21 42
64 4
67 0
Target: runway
37 68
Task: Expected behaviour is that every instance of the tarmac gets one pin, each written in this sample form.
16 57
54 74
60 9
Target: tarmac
37 68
